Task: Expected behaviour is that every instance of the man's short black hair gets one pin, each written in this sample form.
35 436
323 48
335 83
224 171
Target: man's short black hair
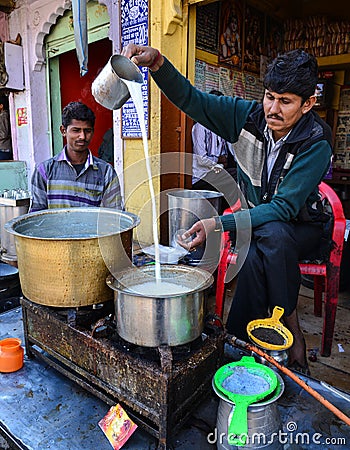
295 72
77 111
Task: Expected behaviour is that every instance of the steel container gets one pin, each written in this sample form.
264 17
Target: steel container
186 207
8 212
264 421
65 255
281 356
164 319
108 88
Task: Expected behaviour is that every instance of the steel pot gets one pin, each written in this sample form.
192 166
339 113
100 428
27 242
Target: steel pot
161 319
65 255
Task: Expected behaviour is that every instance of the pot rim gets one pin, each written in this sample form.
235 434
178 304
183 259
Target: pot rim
10 342
136 72
9 226
277 393
117 286
191 194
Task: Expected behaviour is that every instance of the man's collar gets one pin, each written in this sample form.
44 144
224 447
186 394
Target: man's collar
269 136
63 157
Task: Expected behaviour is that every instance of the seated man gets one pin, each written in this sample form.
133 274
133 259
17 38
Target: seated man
75 177
283 151
210 153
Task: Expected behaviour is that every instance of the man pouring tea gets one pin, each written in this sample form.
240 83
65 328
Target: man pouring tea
283 151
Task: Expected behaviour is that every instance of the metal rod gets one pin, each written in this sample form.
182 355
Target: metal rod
241 344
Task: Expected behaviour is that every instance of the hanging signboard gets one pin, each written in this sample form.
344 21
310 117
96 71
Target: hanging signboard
207 27
134 29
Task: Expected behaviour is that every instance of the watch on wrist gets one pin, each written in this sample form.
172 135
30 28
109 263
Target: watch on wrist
218 224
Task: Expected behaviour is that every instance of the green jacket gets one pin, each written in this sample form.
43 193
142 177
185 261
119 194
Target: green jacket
292 193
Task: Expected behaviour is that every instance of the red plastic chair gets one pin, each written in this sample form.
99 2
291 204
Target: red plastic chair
326 274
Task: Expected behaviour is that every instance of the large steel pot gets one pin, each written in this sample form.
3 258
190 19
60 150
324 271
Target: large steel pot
164 319
65 255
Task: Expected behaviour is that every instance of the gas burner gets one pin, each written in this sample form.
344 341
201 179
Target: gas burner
83 316
160 395
154 354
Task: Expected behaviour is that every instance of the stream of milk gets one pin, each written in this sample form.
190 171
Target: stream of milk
136 94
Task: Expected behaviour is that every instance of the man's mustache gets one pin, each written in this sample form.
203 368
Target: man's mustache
274 116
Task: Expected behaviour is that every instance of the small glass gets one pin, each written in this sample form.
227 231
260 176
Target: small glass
180 241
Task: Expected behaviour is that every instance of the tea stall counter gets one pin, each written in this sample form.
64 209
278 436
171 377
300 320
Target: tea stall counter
42 409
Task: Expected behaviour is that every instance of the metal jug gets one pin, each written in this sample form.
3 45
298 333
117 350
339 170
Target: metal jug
186 206
108 88
264 421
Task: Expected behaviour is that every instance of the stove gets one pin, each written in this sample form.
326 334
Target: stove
158 387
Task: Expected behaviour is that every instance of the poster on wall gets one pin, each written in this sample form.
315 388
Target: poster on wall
199 79
253 39
212 74
226 81
254 89
134 28
238 84
231 32
207 27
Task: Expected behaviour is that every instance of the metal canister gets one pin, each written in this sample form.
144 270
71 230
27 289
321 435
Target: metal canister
281 356
109 88
187 207
13 204
264 421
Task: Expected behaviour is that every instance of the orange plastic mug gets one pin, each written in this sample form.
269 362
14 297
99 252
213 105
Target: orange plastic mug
11 355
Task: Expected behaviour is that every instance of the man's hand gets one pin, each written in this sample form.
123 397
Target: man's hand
144 56
200 229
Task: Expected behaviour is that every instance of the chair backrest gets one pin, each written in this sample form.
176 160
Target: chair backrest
339 222
338 219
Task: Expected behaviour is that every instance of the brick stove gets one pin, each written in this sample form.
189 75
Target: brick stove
158 387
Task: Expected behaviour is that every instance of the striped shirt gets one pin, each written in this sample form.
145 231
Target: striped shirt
55 184
207 148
